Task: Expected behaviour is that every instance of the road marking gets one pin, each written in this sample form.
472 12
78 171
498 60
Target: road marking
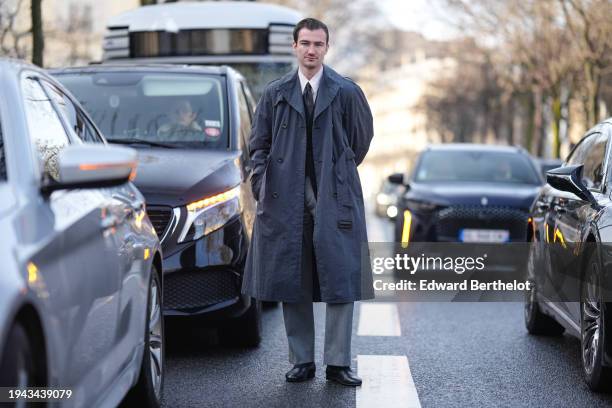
379 319
387 382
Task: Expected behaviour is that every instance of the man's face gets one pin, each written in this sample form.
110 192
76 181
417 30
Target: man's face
310 48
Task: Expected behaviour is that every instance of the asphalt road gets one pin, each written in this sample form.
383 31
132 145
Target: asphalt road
459 355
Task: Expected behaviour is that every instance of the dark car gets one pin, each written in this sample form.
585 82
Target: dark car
467 193
570 236
191 126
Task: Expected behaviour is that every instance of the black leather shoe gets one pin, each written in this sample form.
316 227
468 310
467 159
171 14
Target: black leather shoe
301 372
342 375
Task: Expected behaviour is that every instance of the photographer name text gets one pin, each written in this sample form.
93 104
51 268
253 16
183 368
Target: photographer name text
433 285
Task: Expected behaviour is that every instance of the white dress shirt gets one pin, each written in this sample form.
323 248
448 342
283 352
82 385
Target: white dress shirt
314 82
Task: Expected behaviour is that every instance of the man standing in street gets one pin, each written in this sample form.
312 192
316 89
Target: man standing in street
311 130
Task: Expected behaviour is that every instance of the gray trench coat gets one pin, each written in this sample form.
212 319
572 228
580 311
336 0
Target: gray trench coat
342 131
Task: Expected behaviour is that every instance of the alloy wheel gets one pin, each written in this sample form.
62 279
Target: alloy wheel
591 320
156 339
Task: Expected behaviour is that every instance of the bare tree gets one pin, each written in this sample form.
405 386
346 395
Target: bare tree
465 104
545 54
11 38
38 38
75 32
589 22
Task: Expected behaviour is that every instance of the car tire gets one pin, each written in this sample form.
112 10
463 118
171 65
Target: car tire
243 331
148 391
597 376
17 364
536 322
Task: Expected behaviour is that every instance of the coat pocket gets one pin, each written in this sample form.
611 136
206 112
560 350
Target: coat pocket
261 192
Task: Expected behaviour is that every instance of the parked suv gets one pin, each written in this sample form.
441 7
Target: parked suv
190 126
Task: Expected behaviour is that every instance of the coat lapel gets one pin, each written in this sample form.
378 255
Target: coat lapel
328 88
290 89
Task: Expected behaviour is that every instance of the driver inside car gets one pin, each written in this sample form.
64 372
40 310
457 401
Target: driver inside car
183 126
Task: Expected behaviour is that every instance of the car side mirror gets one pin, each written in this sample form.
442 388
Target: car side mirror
396 178
93 166
569 178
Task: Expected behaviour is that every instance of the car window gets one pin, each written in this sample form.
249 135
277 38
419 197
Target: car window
45 127
2 157
71 113
576 156
76 118
90 134
594 157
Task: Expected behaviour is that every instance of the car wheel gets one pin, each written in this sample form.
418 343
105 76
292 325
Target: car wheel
536 321
17 364
592 341
148 390
243 331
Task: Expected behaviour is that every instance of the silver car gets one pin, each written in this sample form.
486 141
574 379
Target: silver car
80 281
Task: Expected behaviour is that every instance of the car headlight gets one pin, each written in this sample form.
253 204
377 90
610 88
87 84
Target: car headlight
209 214
382 199
417 205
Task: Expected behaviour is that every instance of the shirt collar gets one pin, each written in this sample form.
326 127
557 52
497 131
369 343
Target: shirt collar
314 81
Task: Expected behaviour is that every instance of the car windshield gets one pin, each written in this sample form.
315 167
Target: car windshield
476 166
158 109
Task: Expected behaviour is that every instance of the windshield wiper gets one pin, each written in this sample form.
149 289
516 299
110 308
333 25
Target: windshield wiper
136 140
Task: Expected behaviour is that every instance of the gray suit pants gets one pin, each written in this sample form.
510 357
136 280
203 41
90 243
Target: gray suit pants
298 316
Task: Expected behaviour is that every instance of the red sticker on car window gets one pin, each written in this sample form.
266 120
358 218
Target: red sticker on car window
212 132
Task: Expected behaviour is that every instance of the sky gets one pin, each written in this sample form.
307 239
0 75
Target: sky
418 15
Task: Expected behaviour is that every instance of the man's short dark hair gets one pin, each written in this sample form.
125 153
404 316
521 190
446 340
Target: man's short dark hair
310 24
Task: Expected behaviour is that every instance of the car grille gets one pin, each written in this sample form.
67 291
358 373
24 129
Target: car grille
449 221
198 289
160 218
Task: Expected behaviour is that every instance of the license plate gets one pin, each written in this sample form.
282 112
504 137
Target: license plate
483 235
